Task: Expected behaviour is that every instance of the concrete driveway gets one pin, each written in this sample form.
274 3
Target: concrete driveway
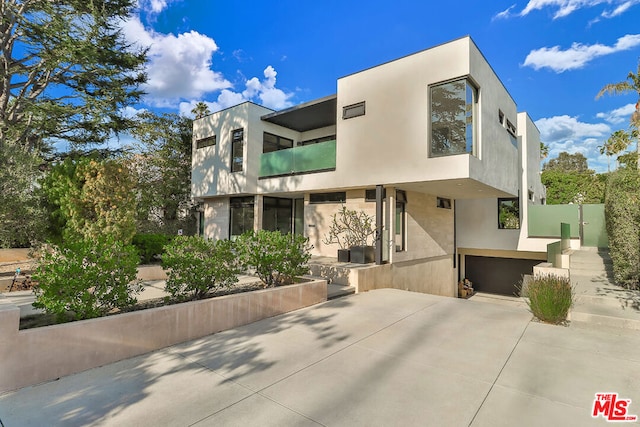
382 358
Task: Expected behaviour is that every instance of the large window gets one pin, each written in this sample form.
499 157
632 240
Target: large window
271 142
508 213
453 118
237 149
277 214
241 214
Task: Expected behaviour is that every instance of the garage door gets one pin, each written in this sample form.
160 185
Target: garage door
497 275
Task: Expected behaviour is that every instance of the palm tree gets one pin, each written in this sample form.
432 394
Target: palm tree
544 151
200 110
631 84
617 142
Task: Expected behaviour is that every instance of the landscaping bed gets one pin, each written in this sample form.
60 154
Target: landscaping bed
42 354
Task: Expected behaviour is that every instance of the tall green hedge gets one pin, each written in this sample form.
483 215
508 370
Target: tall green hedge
622 213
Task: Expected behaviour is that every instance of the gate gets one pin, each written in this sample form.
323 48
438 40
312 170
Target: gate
593 228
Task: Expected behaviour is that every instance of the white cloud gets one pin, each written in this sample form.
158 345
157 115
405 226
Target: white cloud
619 115
620 9
505 13
566 7
578 55
179 66
130 112
152 6
265 92
566 133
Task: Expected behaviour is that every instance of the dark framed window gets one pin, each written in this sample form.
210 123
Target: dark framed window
508 214
201 223
512 133
401 221
318 140
237 149
501 117
443 203
206 142
335 197
454 107
241 215
353 110
271 142
370 195
277 214
511 128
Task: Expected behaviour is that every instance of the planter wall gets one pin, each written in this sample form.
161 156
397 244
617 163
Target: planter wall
362 254
344 255
37 355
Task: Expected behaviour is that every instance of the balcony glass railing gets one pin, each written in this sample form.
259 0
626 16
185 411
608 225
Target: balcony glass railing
303 159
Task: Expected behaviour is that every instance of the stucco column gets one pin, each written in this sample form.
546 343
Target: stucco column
258 208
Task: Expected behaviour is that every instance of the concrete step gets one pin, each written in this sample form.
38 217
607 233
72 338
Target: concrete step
337 291
335 274
602 314
623 302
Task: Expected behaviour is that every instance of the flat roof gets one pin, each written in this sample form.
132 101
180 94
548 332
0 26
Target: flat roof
306 116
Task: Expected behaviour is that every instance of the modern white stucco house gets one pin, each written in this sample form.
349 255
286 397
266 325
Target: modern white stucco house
436 133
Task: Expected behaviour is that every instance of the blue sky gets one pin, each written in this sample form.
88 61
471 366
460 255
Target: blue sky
552 55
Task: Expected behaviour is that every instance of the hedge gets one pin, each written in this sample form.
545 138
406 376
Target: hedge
622 215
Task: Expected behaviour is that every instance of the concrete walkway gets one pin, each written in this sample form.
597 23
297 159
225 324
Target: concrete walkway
385 357
598 299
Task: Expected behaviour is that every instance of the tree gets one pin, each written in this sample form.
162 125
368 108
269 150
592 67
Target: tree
568 179
90 199
163 172
65 71
617 142
200 110
631 84
544 150
22 212
573 187
566 162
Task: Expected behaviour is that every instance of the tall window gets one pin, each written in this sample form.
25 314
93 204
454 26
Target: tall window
453 118
271 142
401 222
277 214
508 213
241 215
237 149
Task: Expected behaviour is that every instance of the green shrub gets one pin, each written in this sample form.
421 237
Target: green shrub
88 278
197 266
622 216
150 246
277 258
550 297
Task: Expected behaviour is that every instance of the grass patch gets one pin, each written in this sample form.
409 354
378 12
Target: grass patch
550 298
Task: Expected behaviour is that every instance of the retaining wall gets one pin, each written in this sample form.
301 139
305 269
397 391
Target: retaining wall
33 356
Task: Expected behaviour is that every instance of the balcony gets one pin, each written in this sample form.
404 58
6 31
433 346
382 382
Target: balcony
303 159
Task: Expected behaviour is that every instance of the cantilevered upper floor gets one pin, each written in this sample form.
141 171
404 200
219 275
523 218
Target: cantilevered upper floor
439 121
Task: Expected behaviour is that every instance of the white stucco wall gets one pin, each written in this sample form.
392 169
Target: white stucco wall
477 220
388 145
